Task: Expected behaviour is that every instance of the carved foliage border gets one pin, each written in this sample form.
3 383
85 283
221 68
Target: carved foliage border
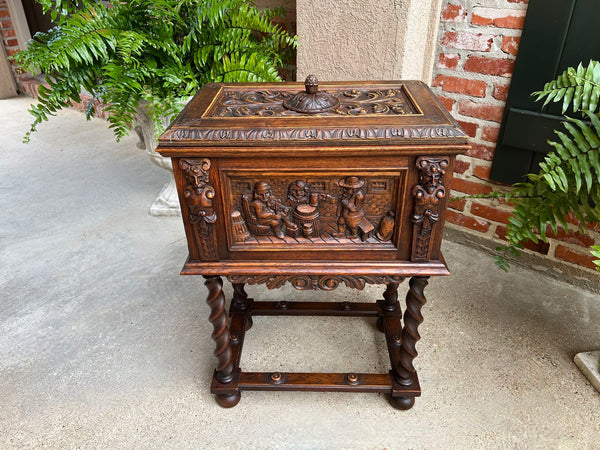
302 134
315 282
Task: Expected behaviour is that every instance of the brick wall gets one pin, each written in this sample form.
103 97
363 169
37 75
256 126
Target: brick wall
477 47
6 28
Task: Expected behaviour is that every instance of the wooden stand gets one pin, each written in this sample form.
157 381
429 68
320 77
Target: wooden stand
347 184
401 382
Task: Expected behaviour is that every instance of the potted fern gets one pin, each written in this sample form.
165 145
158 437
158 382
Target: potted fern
143 59
569 178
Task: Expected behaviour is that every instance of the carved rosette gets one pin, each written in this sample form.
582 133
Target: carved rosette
199 195
428 195
314 282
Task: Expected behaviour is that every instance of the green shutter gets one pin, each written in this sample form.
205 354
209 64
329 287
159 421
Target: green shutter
557 34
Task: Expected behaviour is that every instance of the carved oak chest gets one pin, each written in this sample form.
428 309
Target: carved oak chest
345 182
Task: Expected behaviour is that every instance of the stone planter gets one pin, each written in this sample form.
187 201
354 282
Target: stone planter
167 202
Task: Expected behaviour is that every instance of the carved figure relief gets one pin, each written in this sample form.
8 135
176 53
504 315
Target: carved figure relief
351 214
427 194
306 214
330 210
265 215
199 195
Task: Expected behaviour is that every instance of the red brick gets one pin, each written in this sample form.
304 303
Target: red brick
489 212
582 259
8 33
454 13
4 13
490 66
490 134
12 43
457 85
510 44
459 205
461 166
481 152
481 110
540 247
468 41
447 102
11 51
500 91
571 237
470 187
466 221
448 60
482 172
501 18
469 127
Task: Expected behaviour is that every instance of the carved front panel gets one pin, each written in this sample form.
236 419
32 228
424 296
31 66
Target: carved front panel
304 208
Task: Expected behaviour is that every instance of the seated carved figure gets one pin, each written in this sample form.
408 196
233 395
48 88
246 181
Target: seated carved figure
265 214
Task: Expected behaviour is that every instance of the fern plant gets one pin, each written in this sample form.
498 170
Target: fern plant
158 51
569 177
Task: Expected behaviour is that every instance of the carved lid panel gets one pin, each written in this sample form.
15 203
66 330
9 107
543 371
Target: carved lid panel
383 113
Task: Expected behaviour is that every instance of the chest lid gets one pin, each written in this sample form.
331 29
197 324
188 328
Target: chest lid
380 113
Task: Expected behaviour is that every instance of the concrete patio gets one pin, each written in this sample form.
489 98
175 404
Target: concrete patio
104 345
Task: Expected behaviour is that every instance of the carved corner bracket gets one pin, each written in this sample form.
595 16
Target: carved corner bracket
199 196
315 282
427 194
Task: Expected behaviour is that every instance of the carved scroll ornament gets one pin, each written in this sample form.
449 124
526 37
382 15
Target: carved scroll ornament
315 282
427 195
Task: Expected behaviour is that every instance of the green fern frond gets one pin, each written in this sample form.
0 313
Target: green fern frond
161 51
579 88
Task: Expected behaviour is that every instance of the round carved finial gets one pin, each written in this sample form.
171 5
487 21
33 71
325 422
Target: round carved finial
311 84
311 101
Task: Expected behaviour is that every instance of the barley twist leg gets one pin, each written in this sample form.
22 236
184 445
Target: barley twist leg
218 318
404 371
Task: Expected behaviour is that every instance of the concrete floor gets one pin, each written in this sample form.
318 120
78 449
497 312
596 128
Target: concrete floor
104 345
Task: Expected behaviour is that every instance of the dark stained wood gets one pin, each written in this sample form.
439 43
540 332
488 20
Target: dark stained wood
285 308
319 186
323 267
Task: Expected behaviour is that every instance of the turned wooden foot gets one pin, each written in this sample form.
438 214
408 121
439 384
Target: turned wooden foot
229 400
402 403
